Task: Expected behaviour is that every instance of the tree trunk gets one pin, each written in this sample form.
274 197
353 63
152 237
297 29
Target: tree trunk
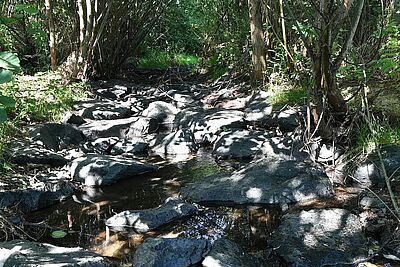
52 34
257 39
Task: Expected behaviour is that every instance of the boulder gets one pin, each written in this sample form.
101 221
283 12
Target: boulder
106 111
163 112
229 254
143 221
99 170
177 252
31 254
258 107
117 92
38 197
180 142
107 128
207 124
135 146
369 172
55 136
239 144
24 152
267 181
286 120
329 237
72 118
321 152
142 126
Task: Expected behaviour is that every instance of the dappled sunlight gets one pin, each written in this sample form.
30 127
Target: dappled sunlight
254 194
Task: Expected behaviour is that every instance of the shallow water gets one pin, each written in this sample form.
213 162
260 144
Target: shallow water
84 222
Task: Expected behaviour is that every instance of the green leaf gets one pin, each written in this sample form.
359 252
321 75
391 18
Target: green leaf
7 101
5 76
3 115
29 9
7 21
58 234
9 61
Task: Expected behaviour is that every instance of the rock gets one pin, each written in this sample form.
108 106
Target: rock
142 126
258 107
24 152
72 118
182 100
116 92
39 197
104 145
229 254
240 144
163 112
106 111
286 120
371 202
98 170
177 252
143 221
30 254
386 100
325 152
331 237
369 173
206 124
135 146
107 128
57 136
180 142
267 181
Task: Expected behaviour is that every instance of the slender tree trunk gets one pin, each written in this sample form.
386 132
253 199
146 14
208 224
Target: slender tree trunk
257 39
52 34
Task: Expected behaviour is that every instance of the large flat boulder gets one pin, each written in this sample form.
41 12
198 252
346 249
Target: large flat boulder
177 252
331 237
103 110
106 128
163 112
207 124
229 254
23 152
56 136
181 142
267 181
32 254
99 170
145 220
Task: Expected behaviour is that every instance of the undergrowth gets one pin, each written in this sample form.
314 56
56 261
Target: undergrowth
39 98
160 59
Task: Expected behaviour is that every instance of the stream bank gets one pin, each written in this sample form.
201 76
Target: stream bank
238 174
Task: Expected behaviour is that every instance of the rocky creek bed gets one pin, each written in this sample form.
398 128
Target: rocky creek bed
192 174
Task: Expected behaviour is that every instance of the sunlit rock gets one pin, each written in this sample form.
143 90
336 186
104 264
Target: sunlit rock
105 110
331 237
25 253
181 142
177 252
98 170
145 220
163 112
267 181
107 128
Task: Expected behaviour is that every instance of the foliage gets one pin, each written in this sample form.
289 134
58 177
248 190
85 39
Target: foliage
9 64
288 96
386 133
159 59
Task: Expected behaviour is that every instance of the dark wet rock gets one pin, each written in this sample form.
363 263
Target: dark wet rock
331 237
99 170
106 111
207 124
163 112
25 152
325 152
267 181
177 252
258 107
72 118
239 144
286 120
369 202
57 136
107 128
143 221
180 142
40 196
30 254
229 254
143 126
373 223
369 173
182 100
